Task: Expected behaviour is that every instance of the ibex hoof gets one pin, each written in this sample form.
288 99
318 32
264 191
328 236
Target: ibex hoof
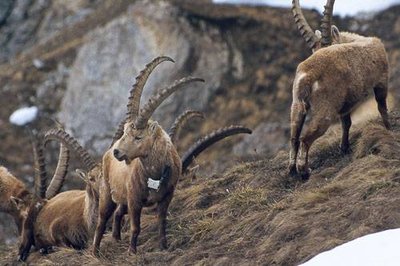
345 149
132 251
292 170
163 245
304 172
22 257
95 252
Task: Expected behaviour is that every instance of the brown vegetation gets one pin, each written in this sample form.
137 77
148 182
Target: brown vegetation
256 213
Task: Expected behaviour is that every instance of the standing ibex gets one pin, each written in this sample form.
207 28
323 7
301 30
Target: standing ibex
142 153
69 218
332 82
189 155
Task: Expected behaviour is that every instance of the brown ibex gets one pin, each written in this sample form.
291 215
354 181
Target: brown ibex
188 157
142 153
69 218
15 198
331 83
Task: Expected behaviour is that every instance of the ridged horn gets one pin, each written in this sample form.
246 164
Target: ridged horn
180 121
209 140
58 179
326 24
155 101
305 30
40 167
120 131
136 91
62 136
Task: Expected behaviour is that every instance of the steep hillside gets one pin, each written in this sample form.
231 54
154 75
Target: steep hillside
248 55
255 214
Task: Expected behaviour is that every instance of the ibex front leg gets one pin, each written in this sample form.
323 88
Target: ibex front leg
316 129
135 211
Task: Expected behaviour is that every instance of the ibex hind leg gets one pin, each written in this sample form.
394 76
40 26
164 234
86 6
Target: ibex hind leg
346 124
297 117
118 215
316 129
381 91
162 209
106 209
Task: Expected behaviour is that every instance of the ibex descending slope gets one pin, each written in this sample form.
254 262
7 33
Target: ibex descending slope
141 153
69 218
331 83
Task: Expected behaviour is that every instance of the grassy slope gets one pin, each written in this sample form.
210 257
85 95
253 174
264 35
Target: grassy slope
255 213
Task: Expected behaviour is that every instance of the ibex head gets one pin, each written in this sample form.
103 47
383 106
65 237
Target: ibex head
136 142
328 35
139 132
92 179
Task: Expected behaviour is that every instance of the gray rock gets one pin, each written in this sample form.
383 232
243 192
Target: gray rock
267 138
105 68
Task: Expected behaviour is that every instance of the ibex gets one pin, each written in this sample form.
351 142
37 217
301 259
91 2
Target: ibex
142 153
332 82
198 147
69 218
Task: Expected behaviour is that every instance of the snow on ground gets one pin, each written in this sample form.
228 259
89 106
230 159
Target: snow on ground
24 115
342 7
379 249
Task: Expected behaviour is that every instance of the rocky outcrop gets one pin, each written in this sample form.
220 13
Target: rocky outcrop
105 67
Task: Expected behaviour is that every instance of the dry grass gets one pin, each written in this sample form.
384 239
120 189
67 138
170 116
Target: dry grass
256 214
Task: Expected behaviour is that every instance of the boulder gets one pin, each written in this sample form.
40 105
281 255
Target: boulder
106 65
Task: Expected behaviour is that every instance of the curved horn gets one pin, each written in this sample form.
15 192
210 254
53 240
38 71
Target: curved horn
180 121
304 28
40 167
209 140
58 179
60 135
136 91
157 99
120 131
326 24
135 94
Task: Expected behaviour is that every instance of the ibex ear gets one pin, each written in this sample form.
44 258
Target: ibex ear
153 127
82 174
335 34
17 202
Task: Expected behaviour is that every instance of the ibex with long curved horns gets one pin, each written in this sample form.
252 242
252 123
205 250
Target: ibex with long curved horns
140 152
68 218
332 82
198 147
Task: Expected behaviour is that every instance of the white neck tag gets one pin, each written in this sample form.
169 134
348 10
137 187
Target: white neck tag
154 184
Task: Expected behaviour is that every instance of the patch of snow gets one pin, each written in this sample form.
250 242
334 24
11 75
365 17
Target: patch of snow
342 7
375 249
24 115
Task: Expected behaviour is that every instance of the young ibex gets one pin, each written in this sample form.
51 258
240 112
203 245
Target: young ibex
143 152
69 218
331 83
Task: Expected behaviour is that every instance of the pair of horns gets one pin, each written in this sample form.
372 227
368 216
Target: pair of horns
56 183
40 170
307 33
209 140
139 116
